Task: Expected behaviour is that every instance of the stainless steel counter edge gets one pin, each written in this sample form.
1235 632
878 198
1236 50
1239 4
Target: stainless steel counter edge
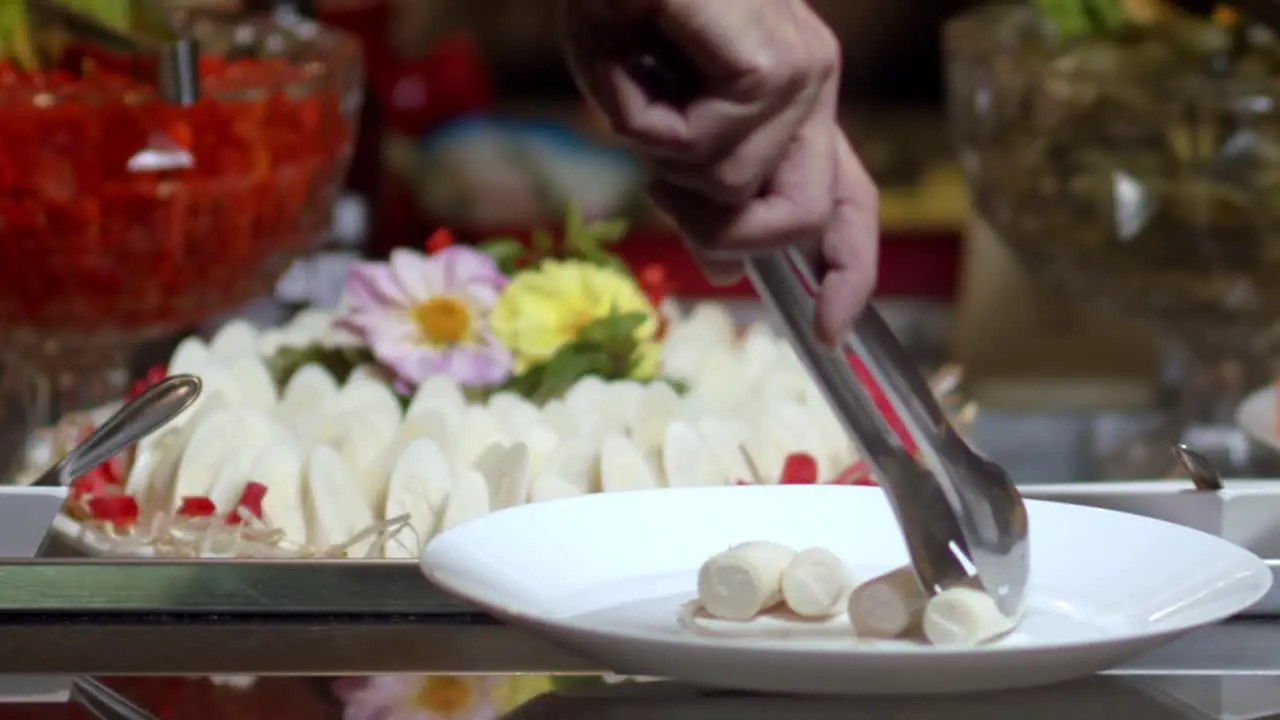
349 618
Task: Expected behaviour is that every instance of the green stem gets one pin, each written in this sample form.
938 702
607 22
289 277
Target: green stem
17 43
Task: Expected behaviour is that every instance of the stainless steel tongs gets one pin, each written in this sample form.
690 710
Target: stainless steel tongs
177 56
963 520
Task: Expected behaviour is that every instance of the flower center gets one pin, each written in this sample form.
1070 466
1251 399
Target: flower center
443 320
443 695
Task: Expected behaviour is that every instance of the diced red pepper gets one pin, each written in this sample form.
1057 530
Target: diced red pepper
120 510
250 502
142 384
882 403
439 240
197 507
800 469
92 484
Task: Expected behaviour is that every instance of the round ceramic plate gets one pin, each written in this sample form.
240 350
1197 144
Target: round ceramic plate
1256 416
606 576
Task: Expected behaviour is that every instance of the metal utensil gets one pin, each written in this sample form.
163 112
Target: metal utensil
104 703
177 56
1203 474
963 520
137 419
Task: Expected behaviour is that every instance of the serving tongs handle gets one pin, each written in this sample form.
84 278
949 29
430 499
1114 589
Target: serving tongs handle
177 56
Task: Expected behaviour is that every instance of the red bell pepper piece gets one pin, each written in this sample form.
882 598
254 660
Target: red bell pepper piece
197 507
119 510
800 469
250 502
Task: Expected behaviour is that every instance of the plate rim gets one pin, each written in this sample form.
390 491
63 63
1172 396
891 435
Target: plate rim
1258 571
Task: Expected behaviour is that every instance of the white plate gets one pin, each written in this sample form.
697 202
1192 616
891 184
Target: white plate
605 576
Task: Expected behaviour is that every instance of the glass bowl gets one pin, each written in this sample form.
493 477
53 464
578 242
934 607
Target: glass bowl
1140 171
123 218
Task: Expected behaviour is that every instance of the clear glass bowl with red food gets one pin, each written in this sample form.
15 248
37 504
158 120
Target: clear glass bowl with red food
106 241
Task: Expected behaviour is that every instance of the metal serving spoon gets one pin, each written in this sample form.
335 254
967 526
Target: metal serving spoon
137 419
963 520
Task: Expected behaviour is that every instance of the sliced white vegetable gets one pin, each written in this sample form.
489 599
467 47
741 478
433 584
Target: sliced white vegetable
212 440
419 487
363 440
364 394
477 429
744 580
624 467
430 424
308 393
279 467
231 477
335 508
513 413
657 408
816 583
963 617
586 396
191 357
888 606
236 339
550 486
254 381
440 393
576 461
468 500
507 472
686 460
724 444
157 488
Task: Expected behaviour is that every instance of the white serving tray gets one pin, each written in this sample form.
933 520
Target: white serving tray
26 515
1246 513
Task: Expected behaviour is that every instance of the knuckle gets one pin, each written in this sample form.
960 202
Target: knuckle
735 180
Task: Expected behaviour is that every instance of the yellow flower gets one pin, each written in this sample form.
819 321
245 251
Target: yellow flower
544 308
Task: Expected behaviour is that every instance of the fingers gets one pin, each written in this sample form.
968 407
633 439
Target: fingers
850 246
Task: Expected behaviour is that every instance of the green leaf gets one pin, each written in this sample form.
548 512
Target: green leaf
507 252
564 369
615 333
608 232
1069 17
544 243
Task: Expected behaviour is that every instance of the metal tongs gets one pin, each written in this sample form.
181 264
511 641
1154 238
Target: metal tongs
176 56
963 520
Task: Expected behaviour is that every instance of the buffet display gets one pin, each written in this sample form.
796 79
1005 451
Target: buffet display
454 382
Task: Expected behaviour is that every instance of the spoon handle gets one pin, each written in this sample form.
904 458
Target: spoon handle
137 419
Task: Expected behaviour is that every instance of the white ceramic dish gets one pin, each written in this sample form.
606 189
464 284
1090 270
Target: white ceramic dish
605 576
26 514
1246 512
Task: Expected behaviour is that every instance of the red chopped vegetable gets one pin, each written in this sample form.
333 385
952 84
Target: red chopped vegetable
142 384
120 510
800 469
197 507
250 502
439 240
269 139
882 403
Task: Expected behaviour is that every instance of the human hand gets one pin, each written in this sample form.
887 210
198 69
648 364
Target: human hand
756 161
